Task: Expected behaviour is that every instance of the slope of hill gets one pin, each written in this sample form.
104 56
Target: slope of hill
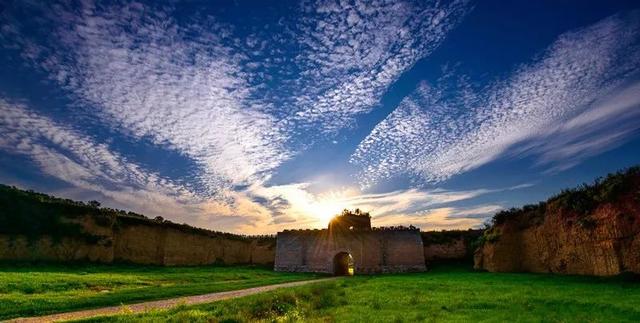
590 230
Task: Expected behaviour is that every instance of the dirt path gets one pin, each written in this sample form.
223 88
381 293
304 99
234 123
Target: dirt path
163 304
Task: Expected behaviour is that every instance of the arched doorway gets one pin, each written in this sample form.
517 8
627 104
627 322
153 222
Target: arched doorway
343 264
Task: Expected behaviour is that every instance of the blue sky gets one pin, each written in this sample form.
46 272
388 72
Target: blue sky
252 117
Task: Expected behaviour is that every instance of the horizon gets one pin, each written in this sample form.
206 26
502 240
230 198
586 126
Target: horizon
253 119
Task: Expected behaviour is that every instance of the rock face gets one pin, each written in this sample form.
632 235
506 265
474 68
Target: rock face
141 241
449 245
374 251
604 241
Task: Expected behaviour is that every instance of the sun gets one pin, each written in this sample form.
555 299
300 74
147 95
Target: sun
325 209
321 208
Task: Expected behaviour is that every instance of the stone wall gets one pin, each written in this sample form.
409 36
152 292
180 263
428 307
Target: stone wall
373 251
141 241
453 250
452 245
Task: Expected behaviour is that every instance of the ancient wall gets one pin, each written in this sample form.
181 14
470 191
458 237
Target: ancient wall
452 250
607 244
449 245
141 241
373 251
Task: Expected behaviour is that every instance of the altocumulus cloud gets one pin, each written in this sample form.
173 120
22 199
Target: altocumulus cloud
68 155
193 86
353 51
240 106
138 69
584 86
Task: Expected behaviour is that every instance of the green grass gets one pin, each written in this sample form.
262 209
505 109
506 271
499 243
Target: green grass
451 294
30 290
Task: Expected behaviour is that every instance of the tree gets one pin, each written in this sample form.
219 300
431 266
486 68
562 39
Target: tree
94 204
356 212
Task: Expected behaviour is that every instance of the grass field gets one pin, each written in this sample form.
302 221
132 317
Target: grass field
444 294
29 290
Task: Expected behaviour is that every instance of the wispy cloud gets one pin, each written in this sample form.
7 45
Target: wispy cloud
445 218
140 70
68 155
91 168
353 51
152 77
64 153
418 207
584 86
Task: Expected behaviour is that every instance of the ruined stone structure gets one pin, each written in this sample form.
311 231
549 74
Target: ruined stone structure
350 243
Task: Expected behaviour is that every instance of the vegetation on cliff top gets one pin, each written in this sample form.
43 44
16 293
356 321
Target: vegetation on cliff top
445 294
583 199
580 201
34 215
449 236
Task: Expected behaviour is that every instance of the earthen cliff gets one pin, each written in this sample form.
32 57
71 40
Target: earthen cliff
592 230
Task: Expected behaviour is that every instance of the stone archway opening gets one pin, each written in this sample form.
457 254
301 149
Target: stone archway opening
343 264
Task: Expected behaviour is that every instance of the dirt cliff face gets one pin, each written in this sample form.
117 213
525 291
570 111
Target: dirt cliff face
606 241
140 242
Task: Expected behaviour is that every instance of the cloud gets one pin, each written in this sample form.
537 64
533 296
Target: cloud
150 76
429 209
584 86
68 155
443 218
609 121
353 51
65 154
236 105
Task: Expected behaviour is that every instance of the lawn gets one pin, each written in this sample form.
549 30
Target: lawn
29 290
447 293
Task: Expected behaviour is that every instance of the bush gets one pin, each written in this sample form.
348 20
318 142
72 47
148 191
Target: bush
279 305
449 236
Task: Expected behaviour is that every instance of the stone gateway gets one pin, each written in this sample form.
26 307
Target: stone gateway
350 246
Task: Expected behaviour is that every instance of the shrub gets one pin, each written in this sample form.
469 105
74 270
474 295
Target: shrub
449 236
492 236
581 200
279 305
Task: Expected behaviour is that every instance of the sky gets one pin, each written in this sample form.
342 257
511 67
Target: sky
257 116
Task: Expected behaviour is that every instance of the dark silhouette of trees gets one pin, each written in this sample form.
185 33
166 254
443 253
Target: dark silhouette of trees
356 212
